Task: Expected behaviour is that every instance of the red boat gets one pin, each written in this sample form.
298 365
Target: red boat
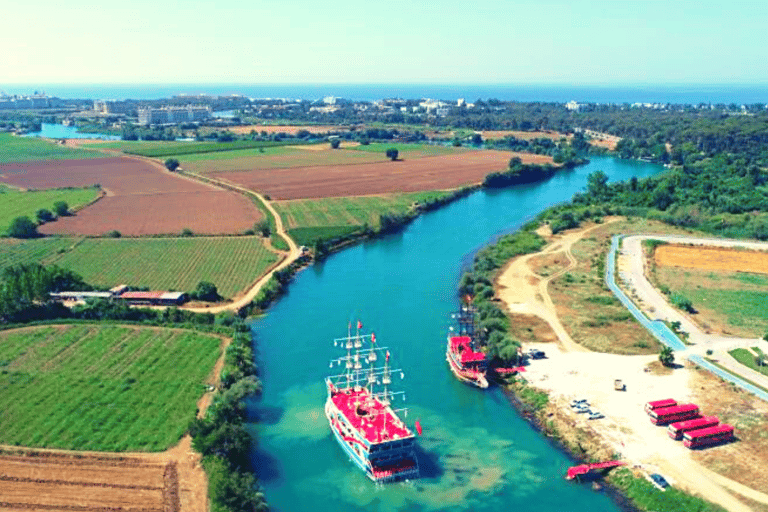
465 359
361 416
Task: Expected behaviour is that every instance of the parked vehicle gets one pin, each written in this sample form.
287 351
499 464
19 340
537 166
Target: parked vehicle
658 481
595 415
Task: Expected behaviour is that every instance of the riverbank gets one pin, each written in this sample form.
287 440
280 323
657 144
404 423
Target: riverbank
566 375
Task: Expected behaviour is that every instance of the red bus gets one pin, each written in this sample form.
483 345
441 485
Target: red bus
676 430
707 436
652 406
667 415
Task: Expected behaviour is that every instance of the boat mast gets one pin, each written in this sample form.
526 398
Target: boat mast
371 361
349 355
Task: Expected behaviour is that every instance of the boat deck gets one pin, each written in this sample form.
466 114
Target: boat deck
375 421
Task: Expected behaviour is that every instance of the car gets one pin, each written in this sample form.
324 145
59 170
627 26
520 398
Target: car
595 415
536 354
576 402
659 481
583 408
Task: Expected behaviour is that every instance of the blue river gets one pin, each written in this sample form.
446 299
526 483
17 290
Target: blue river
477 453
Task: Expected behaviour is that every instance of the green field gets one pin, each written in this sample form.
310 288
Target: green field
25 149
309 219
14 203
736 301
101 387
230 263
188 148
749 360
406 151
240 153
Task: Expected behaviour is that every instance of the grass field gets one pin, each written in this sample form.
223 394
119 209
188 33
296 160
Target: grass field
748 359
729 302
14 203
188 148
25 149
406 151
98 387
309 219
285 157
159 263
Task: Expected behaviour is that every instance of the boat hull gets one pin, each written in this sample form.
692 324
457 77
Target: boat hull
362 462
470 377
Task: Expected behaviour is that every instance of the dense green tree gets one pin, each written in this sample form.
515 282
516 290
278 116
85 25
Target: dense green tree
335 143
392 153
172 164
205 291
22 227
666 356
44 215
61 208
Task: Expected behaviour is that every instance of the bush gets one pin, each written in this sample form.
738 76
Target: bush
187 232
262 227
683 303
335 143
22 227
172 164
61 208
392 154
205 291
114 234
44 215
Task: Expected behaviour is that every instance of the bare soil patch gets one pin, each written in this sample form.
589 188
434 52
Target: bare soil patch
429 173
602 143
530 329
745 461
144 198
712 258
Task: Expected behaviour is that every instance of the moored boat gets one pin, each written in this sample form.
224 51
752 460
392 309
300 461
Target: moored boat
360 412
465 358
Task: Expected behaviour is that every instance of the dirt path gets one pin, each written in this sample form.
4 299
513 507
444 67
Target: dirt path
292 255
526 293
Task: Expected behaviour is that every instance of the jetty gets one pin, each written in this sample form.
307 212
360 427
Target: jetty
583 469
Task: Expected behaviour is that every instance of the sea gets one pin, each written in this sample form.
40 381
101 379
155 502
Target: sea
740 94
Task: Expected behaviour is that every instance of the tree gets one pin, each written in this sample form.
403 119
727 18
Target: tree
597 184
392 154
22 227
61 208
761 360
335 143
262 227
172 164
206 291
44 215
666 356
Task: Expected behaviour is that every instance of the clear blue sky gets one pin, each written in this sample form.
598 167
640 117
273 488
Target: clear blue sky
385 41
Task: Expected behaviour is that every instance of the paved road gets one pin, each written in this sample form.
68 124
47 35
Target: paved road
651 308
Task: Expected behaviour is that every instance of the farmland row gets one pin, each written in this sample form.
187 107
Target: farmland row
15 203
26 149
159 263
91 387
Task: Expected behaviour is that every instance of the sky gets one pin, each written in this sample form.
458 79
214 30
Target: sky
384 41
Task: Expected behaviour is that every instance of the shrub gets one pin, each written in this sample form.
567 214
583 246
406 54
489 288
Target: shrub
205 291
187 232
172 164
392 154
44 215
683 303
335 143
262 227
61 208
22 227
114 234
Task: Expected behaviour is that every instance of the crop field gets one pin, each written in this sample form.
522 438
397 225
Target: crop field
287 129
500 134
130 146
41 250
14 203
712 258
231 263
101 387
142 198
408 151
726 301
25 149
427 173
286 157
46 481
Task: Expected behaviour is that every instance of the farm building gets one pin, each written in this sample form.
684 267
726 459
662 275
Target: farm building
80 296
154 298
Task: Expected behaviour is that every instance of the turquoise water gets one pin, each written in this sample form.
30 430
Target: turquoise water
477 453
59 131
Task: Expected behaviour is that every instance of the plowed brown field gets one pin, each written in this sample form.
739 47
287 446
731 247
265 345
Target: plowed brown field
142 198
429 173
712 258
38 480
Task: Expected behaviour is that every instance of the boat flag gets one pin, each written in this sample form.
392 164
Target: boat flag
387 355
418 427
359 324
373 338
